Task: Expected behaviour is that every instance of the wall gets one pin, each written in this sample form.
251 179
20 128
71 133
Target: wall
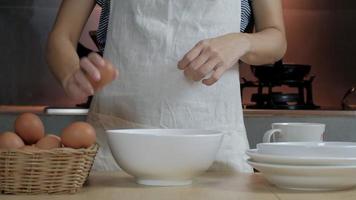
24 26
322 33
25 78
338 128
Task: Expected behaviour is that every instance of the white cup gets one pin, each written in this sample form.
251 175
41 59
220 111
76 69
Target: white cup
295 132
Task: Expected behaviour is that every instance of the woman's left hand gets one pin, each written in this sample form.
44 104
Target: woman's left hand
214 56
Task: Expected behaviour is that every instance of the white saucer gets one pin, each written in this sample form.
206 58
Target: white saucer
309 149
298 160
311 178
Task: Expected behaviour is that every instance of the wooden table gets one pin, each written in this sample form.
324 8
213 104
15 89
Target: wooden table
211 185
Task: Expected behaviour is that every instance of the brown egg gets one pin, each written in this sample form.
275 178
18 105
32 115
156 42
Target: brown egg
29 148
49 142
78 135
29 127
107 74
10 140
55 136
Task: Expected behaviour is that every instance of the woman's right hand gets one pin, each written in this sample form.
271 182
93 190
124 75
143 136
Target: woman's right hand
94 73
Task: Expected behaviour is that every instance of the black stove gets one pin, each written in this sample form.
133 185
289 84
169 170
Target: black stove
271 77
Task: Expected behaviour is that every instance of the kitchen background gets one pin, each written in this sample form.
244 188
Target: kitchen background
320 33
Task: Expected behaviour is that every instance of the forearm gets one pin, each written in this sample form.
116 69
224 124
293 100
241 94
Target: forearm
62 57
268 44
265 47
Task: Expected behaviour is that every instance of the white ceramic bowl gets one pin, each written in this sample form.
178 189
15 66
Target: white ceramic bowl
309 149
164 157
312 178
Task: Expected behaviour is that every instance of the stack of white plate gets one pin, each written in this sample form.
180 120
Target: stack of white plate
306 165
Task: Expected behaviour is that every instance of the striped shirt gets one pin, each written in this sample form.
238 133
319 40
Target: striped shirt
246 20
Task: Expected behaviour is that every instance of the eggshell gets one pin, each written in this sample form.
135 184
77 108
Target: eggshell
49 142
78 135
10 140
29 127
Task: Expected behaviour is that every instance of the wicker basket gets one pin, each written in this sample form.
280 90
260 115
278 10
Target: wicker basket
62 170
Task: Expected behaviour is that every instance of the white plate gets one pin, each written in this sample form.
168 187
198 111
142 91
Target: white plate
309 149
311 178
298 160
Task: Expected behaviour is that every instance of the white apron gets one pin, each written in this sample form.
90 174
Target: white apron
146 39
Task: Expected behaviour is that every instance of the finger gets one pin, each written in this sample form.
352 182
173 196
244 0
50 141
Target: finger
206 68
96 59
83 83
109 65
199 60
215 76
76 93
188 74
89 68
190 56
190 71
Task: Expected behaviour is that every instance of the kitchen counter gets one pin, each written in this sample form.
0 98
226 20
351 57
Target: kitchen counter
247 112
21 109
43 110
211 185
299 113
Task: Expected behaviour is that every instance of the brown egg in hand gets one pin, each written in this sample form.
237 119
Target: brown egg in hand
107 74
78 135
49 142
10 140
29 127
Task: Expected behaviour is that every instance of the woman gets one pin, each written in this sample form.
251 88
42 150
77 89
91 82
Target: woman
178 63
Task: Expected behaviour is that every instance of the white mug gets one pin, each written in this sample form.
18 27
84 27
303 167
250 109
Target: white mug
295 132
